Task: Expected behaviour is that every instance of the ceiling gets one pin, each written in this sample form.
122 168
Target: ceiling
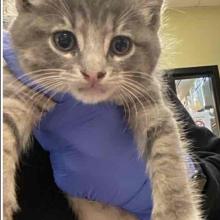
192 3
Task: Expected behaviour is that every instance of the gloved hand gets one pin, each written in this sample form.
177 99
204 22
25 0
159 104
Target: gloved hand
93 155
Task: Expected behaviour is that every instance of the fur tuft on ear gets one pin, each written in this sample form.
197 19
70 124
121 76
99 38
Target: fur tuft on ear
152 10
157 3
27 5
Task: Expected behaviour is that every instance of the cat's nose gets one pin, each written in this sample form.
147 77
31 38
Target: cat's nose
93 76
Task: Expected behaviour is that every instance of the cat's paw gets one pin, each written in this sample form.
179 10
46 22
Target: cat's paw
173 216
8 210
10 206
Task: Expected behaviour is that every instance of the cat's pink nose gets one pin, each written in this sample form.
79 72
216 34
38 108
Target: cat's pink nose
93 77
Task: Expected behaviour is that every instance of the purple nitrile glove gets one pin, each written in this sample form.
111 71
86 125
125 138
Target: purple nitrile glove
93 155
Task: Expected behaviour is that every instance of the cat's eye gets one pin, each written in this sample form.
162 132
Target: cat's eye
65 41
121 45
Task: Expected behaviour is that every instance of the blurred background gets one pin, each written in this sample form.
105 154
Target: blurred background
191 41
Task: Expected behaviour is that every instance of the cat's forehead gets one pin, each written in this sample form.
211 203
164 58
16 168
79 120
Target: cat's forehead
95 7
100 12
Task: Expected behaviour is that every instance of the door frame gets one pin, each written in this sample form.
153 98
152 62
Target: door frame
198 72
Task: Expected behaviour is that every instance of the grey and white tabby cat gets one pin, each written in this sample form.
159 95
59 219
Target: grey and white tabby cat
98 50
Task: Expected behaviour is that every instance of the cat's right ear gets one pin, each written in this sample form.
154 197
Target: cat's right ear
27 5
152 11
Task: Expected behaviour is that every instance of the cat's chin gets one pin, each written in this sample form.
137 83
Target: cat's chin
92 97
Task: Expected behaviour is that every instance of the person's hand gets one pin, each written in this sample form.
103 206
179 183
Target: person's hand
93 155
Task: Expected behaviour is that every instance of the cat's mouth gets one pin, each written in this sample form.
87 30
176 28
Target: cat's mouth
94 89
93 93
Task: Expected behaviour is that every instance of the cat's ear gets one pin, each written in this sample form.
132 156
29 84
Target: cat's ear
27 5
153 13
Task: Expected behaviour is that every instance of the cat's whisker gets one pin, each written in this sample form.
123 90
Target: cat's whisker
40 96
45 83
36 96
20 78
143 95
136 76
139 86
113 82
50 78
31 75
148 98
131 98
35 84
50 98
136 83
40 83
47 69
34 77
125 105
139 90
48 87
132 91
70 75
138 72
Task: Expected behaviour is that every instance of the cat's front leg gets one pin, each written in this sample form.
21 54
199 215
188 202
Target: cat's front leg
159 142
18 122
173 193
10 158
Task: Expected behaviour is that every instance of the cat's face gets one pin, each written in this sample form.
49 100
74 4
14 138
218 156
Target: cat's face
97 50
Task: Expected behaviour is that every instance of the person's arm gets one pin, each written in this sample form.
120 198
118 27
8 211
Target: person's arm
113 180
206 147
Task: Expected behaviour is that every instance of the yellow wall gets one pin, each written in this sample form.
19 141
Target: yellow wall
191 37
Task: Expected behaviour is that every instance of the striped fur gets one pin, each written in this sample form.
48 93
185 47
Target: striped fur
132 82
20 115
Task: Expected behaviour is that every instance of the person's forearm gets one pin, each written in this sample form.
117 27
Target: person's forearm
211 168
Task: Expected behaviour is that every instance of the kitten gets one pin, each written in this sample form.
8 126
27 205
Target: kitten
98 50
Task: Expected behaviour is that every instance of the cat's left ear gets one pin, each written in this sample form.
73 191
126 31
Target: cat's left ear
27 5
152 11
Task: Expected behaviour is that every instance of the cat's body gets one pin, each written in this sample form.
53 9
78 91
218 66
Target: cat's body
116 48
